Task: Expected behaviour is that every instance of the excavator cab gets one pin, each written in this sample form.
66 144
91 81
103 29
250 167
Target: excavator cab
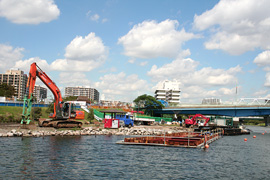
69 110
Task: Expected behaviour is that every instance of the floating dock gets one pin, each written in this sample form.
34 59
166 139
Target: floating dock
180 139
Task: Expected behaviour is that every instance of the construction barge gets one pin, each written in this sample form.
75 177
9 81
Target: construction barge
181 139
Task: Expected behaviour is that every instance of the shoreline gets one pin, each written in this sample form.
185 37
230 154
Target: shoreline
15 130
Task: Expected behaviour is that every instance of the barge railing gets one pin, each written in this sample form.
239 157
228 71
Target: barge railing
181 139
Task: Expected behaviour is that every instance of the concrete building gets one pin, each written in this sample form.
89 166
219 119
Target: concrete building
40 93
17 79
115 104
169 91
211 101
91 93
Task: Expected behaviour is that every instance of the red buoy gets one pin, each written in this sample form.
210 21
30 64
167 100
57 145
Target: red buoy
206 146
262 133
254 136
245 139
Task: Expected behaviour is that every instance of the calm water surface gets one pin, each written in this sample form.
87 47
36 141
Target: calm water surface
90 157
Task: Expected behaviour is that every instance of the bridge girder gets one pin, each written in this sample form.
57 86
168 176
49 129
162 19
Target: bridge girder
233 112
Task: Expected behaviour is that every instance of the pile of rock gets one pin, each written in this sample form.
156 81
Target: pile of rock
88 131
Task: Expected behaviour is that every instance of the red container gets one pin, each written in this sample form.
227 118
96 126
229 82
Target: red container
111 123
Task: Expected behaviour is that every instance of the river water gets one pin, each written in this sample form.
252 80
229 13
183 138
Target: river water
90 157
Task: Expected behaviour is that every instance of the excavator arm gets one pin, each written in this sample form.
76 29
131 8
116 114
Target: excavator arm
200 116
35 72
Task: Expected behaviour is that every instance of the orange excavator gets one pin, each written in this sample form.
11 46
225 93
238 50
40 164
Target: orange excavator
65 113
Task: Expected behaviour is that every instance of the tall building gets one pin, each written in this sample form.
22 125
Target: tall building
169 91
91 93
40 93
17 79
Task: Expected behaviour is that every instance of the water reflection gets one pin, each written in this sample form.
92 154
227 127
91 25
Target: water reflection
27 157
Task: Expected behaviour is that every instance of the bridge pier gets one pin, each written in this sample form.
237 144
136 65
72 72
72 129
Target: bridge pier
266 120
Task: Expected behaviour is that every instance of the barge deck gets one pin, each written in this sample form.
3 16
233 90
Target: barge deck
181 139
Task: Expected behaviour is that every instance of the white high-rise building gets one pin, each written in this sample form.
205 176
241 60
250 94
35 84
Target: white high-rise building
169 91
91 93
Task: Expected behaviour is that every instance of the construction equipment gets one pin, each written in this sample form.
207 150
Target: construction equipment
196 120
64 113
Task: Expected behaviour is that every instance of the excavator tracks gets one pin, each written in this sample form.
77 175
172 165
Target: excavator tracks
67 124
60 123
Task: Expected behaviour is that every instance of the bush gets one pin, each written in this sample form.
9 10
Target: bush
36 113
50 108
90 115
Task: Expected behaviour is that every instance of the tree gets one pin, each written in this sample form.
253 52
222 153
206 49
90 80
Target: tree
7 90
148 103
36 113
90 115
50 108
70 98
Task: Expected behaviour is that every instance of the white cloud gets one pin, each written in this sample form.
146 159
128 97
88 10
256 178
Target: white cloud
176 68
195 94
184 70
86 48
72 79
197 83
238 26
29 11
150 39
25 64
69 65
122 87
82 54
261 93
263 59
94 17
212 77
9 56
267 80
108 70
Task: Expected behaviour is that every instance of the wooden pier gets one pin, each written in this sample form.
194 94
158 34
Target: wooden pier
180 139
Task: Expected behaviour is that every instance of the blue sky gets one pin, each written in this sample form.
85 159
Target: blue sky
128 48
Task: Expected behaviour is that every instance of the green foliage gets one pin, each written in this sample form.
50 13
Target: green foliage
36 113
7 90
253 122
11 114
148 102
70 98
90 115
50 108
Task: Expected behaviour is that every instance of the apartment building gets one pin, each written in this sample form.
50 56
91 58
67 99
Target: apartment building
169 91
40 93
17 79
91 93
